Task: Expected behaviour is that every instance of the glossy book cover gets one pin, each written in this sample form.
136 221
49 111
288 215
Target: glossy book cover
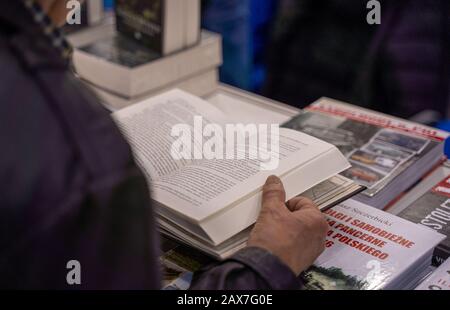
433 210
368 249
141 20
378 147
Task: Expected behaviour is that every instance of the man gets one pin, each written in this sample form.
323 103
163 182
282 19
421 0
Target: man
71 190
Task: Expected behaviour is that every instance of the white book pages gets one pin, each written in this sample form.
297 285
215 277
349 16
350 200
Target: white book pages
222 196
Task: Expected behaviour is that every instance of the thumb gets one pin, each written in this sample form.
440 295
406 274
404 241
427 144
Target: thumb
299 203
273 193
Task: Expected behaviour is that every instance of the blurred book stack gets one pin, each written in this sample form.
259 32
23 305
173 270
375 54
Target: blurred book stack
145 48
165 26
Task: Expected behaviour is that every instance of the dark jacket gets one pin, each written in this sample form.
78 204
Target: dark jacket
327 48
70 189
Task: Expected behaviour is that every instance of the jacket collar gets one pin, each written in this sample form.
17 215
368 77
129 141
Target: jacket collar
27 38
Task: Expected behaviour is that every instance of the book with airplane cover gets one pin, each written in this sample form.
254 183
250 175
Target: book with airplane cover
209 202
368 249
388 155
432 210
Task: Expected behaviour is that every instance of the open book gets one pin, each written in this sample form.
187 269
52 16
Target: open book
212 202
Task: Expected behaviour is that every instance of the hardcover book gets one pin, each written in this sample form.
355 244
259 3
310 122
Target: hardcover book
122 51
126 68
165 26
212 203
142 21
387 154
368 249
438 280
433 210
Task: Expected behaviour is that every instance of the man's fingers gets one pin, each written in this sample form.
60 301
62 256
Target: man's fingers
273 192
299 202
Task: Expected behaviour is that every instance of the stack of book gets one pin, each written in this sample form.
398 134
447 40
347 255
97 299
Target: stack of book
387 154
428 204
439 279
149 47
428 181
165 26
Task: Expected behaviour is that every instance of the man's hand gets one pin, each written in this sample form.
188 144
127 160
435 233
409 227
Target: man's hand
295 231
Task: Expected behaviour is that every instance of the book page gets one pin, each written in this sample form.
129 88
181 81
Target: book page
202 188
148 129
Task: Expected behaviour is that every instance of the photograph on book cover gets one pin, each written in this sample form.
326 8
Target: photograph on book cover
377 154
380 163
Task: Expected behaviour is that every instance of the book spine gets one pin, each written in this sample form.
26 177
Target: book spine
192 34
162 49
174 28
440 255
95 11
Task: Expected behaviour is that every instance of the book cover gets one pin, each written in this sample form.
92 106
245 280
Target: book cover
438 280
433 210
179 263
369 249
378 147
122 51
125 68
141 20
